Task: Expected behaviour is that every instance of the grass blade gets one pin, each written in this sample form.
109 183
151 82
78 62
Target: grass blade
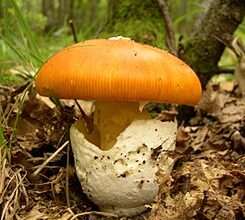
2 140
26 29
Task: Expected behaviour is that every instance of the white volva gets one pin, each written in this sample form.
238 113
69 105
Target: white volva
122 180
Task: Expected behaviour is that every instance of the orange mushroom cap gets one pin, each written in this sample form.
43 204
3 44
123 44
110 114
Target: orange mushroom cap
118 70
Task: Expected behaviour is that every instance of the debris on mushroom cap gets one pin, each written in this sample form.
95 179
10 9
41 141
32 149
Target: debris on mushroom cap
119 38
118 70
123 179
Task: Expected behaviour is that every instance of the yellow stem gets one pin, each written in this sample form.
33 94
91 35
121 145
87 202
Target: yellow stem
110 119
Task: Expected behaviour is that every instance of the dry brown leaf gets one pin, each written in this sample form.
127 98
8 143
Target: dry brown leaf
223 106
182 135
227 86
35 214
239 49
201 135
238 140
167 115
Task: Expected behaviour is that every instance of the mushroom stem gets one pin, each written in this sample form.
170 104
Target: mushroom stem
111 118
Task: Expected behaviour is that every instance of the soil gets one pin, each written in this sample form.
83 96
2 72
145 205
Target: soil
38 178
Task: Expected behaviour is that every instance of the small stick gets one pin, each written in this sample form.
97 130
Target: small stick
221 70
169 26
224 70
3 175
73 31
88 121
20 89
67 177
105 214
49 159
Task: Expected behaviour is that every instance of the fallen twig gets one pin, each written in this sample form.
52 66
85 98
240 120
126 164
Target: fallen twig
73 31
171 43
105 214
67 177
50 158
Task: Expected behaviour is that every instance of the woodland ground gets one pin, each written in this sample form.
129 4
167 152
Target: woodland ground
37 174
38 179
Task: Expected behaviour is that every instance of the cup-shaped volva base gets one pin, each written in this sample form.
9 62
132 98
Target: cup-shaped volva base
124 178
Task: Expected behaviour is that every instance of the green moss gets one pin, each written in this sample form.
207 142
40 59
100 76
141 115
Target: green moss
195 57
142 21
200 57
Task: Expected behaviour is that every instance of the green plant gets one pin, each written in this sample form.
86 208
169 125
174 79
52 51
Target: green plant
2 140
20 46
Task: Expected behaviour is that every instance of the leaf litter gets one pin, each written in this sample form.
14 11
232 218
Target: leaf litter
207 181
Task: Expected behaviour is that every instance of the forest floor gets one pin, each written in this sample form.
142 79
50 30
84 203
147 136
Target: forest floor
38 178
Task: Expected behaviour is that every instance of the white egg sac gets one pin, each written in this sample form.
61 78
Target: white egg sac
122 180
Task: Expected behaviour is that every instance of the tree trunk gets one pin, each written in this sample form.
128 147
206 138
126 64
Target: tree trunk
205 48
142 21
49 12
1 9
71 10
63 12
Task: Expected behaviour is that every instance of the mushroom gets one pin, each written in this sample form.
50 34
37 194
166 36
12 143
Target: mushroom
118 161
